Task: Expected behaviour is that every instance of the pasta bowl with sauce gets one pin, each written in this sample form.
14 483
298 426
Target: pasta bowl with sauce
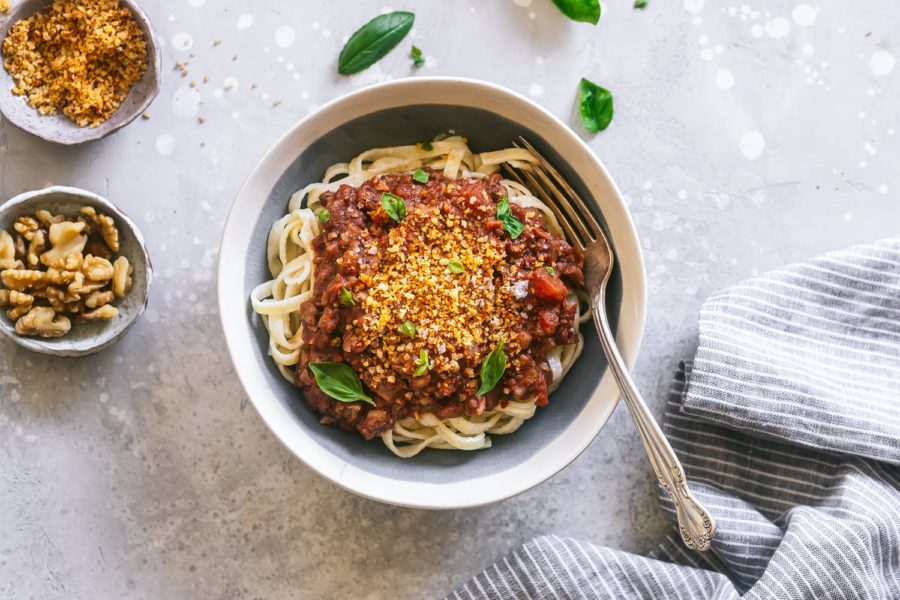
403 115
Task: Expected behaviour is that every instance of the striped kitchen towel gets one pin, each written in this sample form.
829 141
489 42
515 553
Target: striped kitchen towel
787 422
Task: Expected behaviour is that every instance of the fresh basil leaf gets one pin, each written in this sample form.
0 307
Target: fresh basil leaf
426 146
511 224
347 297
339 381
595 105
324 215
394 206
374 40
585 11
416 55
642 4
492 370
420 176
551 270
408 329
422 363
456 267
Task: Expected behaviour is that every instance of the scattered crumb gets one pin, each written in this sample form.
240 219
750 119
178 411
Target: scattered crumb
193 84
4 6
146 115
234 58
205 79
201 120
277 102
217 42
253 87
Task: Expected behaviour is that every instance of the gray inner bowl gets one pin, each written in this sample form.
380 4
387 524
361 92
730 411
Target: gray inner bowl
408 125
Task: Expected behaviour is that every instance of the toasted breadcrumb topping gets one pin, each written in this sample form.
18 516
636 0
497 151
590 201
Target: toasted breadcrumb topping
80 58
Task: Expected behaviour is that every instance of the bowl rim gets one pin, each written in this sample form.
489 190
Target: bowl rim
468 493
154 71
41 346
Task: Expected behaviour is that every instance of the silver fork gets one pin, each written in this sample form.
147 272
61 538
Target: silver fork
695 523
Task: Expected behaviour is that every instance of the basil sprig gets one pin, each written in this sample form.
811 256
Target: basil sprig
550 270
492 370
642 4
373 41
347 297
393 206
585 11
339 381
595 105
422 363
408 329
456 267
426 146
416 55
511 224
420 176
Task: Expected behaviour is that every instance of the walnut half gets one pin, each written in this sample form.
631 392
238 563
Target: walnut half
43 322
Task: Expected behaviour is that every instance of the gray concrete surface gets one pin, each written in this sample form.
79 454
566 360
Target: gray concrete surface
745 137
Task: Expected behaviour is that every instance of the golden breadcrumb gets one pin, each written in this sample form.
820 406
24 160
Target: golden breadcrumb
4 6
77 57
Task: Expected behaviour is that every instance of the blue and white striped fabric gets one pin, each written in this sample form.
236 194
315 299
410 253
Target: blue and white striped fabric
787 422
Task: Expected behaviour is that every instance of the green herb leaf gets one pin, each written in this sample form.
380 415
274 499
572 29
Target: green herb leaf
456 267
426 146
420 176
492 370
511 224
408 329
416 55
550 270
324 216
422 363
373 40
585 11
339 381
394 206
642 4
347 297
595 105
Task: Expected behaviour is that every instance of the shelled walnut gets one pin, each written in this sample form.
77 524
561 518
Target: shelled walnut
53 267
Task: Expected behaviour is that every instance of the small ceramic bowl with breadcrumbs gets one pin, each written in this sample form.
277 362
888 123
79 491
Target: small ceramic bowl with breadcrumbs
74 272
58 90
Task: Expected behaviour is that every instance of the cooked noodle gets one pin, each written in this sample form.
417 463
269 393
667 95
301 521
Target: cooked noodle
290 257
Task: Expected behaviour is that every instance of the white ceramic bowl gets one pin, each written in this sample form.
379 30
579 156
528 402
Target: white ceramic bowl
403 112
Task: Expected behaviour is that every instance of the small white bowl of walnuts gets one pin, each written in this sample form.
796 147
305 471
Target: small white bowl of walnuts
74 272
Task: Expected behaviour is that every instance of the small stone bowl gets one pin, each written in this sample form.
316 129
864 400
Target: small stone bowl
84 338
59 128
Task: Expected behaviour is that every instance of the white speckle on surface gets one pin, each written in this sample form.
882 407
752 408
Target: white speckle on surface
104 397
861 114
778 28
218 93
757 31
172 18
848 216
196 3
235 114
149 216
182 41
707 54
808 49
804 15
186 102
682 194
304 95
863 164
536 90
882 62
230 84
883 188
697 20
693 6
532 15
326 33
703 40
165 144
870 149
648 185
285 36
719 48
522 3
724 79
752 144
539 60
245 21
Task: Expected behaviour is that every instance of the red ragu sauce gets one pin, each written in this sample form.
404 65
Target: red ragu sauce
449 268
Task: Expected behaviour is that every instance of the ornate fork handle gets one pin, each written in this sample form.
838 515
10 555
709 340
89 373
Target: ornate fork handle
696 525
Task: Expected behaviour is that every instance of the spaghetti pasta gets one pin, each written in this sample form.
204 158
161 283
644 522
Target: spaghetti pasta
291 256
